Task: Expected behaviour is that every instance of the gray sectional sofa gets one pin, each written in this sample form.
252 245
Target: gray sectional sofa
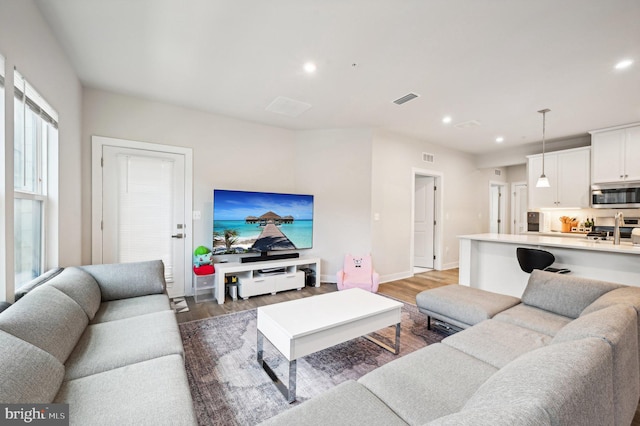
567 354
103 339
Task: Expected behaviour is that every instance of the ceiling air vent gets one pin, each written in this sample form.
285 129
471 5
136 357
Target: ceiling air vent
406 98
428 158
467 124
287 106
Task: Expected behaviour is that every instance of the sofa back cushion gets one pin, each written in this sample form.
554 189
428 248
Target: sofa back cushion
36 282
125 280
562 294
618 326
571 382
629 296
27 373
81 287
48 319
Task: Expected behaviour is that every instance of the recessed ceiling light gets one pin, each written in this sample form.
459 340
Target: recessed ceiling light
499 139
309 67
446 120
624 64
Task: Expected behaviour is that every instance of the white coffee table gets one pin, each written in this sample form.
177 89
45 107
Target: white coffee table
301 327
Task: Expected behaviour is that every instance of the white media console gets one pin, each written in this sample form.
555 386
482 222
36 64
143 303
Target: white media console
272 276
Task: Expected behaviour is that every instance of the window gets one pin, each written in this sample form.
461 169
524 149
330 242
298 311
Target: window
35 125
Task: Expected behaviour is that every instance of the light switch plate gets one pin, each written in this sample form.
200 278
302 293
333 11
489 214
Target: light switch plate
197 215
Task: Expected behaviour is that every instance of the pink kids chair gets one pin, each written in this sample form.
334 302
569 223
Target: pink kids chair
358 273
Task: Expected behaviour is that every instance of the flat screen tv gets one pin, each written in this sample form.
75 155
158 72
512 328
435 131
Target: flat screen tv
246 221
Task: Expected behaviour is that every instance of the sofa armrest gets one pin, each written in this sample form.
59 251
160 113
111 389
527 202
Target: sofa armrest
126 280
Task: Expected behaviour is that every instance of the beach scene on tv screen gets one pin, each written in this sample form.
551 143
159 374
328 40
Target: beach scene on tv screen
260 221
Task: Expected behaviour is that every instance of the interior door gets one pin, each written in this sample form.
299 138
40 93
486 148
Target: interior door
143 210
519 201
496 209
424 221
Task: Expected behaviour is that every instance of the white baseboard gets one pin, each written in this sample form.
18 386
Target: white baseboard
451 265
396 276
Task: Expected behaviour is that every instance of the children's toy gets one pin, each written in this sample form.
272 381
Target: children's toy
202 261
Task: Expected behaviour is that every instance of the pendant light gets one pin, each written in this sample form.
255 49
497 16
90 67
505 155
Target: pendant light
543 181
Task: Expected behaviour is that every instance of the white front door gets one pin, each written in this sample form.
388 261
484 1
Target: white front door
424 221
143 210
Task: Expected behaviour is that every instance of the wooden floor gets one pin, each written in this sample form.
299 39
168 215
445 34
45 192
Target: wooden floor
404 290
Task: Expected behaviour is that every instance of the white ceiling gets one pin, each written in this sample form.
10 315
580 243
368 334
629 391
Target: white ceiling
494 61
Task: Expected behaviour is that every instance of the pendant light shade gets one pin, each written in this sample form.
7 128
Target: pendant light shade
543 180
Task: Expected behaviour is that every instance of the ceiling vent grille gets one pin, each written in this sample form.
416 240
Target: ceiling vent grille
406 98
467 124
287 106
428 158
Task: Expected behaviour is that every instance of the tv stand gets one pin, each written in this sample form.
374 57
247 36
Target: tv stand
264 257
252 283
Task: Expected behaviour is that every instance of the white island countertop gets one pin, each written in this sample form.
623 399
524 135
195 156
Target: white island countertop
488 261
559 241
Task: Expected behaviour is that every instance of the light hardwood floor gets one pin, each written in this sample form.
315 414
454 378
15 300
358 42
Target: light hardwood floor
404 290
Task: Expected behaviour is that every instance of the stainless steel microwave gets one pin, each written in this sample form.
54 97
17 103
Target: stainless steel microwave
616 195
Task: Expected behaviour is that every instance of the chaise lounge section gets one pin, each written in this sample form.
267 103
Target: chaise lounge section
566 354
101 338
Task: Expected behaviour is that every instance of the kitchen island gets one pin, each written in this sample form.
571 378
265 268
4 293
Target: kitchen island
488 261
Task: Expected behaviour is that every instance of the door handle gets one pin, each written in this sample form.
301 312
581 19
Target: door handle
178 236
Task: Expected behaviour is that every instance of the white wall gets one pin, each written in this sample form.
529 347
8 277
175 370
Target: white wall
464 189
228 153
335 166
27 43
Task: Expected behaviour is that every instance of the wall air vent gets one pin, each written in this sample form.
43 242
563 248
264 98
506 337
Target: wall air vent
406 98
497 172
467 124
428 158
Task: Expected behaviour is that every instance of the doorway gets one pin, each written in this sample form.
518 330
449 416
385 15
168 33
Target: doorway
425 221
519 207
497 208
141 207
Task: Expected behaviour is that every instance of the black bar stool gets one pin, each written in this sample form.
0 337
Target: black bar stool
530 259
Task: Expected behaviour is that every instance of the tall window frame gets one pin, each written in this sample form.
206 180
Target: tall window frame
35 125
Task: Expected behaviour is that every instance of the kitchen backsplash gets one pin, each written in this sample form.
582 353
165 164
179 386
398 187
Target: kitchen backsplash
583 214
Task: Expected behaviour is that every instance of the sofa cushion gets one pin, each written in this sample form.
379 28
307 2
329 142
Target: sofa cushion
534 319
124 280
429 383
48 319
565 295
36 282
349 403
496 342
521 414
150 392
114 344
79 286
626 295
466 305
127 308
618 326
554 378
27 373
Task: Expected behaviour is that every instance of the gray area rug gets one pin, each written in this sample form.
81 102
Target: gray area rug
230 388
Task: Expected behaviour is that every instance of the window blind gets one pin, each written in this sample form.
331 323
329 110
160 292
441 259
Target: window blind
33 100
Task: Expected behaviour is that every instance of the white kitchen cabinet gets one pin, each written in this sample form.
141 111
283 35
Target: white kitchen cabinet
569 175
616 154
